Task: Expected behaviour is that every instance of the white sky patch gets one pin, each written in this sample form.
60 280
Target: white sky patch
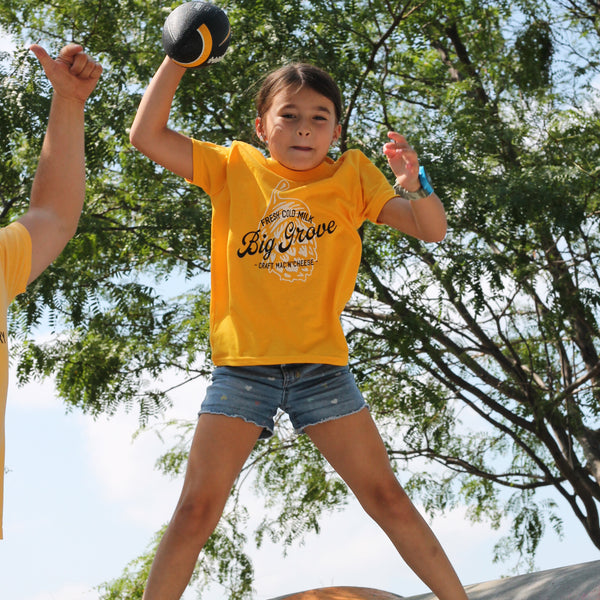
6 42
68 592
125 469
124 464
37 395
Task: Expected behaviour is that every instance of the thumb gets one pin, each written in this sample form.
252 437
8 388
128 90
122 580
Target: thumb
40 54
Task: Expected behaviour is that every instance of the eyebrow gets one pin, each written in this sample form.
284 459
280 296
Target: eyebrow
317 108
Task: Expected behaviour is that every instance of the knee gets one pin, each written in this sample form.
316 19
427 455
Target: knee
195 513
387 500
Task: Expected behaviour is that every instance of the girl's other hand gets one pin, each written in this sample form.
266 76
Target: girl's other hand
403 161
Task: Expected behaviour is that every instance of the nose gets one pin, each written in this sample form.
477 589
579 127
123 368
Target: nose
303 129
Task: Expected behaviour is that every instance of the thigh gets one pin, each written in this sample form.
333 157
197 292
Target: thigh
220 447
353 447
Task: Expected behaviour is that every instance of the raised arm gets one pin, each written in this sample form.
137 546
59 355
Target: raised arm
149 131
58 189
424 218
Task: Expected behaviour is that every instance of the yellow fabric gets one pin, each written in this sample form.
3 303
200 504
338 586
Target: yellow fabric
15 265
285 252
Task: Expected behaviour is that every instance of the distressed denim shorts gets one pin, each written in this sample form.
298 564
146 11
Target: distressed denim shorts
308 393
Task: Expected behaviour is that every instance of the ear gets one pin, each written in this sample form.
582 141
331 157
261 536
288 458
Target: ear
259 130
336 133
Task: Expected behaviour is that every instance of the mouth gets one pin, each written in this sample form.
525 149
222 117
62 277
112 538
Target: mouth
302 148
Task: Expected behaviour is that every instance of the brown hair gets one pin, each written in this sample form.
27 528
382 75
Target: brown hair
298 75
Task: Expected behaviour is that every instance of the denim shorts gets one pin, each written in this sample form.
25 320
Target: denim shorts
308 393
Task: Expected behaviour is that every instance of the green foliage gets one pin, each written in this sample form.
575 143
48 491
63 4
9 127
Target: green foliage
311 488
535 50
529 526
479 356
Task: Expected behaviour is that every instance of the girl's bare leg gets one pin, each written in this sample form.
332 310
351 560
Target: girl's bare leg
354 448
219 450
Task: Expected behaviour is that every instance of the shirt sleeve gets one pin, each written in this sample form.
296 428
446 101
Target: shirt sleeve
15 258
209 166
377 190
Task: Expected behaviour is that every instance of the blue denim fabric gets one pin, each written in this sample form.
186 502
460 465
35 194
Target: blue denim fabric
308 393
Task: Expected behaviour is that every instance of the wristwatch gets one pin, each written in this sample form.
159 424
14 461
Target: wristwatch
425 190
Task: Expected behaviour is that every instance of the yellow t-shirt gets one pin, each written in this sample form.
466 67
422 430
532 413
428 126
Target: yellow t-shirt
15 265
285 251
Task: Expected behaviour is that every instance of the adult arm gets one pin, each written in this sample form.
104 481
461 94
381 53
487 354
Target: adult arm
58 189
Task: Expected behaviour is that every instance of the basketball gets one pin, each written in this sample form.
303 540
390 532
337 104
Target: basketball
196 34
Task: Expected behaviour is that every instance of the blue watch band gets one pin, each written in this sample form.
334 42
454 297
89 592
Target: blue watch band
424 181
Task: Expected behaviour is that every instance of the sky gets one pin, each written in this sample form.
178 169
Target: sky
83 499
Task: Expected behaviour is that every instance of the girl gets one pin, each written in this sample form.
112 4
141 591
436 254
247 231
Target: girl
285 256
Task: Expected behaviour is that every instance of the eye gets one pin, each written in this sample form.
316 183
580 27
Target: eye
288 116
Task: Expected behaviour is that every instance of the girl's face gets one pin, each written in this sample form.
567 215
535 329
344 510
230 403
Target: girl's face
298 128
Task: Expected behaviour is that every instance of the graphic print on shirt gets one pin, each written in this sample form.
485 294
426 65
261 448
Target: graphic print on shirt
285 241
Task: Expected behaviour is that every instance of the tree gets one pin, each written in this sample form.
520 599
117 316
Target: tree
479 354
